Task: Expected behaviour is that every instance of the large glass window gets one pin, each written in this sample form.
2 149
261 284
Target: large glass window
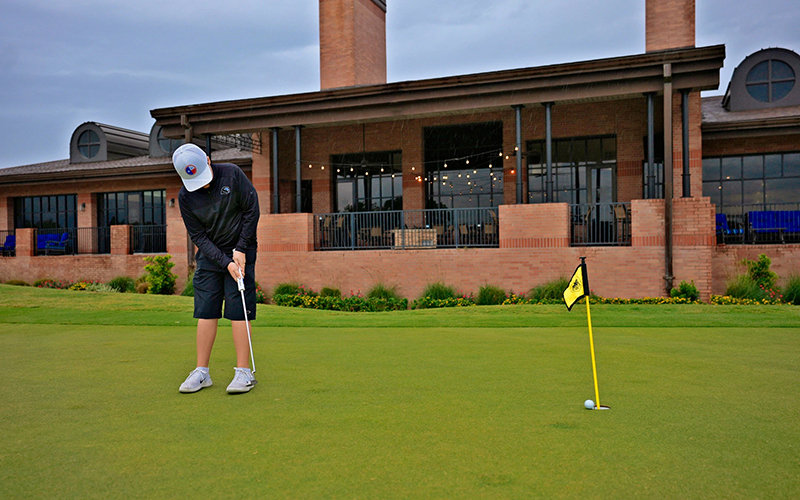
583 170
752 179
368 182
46 212
132 207
464 165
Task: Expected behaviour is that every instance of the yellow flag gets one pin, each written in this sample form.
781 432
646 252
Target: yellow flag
576 288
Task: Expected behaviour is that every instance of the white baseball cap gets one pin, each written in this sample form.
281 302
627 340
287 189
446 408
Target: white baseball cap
191 163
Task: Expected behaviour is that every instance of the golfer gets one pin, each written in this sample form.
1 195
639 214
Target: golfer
219 206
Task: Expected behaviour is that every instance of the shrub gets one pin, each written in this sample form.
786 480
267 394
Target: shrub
489 295
286 289
17 283
550 291
261 297
160 278
439 291
83 285
330 292
354 303
759 272
685 291
100 287
743 287
429 303
381 291
123 284
791 291
51 283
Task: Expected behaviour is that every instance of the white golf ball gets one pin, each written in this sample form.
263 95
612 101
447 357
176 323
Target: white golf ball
589 404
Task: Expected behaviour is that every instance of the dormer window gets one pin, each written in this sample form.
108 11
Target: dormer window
89 144
770 81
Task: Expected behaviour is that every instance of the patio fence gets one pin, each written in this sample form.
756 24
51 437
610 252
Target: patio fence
600 224
407 229
770 223
148 239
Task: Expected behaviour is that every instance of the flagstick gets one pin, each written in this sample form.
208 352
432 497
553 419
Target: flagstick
591 343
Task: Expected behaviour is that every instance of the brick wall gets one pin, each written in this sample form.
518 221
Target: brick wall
751 145
352 43
669 24
534 249
726 262
28 267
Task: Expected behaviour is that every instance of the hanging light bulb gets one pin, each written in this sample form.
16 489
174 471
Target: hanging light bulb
467 161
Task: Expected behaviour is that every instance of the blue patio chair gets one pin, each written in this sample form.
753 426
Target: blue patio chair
10 245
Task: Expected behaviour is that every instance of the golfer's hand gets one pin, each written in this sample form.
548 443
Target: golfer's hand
234 270
239 259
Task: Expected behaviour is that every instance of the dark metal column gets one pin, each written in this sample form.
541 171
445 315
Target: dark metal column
276 188
668 186
298 159
518 154
548 106
687 186
650 182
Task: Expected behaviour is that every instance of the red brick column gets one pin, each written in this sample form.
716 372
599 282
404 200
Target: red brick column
538 225
121 240
26 244
286 233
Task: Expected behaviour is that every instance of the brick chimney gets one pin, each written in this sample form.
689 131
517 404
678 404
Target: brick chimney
352 43
669 24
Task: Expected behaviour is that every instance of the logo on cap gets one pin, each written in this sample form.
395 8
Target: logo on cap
191 169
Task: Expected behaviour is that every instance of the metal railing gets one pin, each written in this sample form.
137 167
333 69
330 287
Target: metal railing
407 229
600 224
769 223
148 239
8 240
73 241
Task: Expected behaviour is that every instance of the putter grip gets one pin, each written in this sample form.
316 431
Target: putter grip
240 282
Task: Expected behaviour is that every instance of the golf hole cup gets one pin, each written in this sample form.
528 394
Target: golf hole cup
589 404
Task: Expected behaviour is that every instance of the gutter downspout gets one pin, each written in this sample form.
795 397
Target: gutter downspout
298 186
518 153
548 106
276 191
650 183
687 186
668 174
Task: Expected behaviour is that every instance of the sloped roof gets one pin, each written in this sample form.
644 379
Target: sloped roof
717 119
136 166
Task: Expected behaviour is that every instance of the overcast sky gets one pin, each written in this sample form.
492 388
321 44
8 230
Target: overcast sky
63 62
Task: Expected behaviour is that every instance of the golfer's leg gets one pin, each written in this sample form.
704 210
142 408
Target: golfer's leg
241 343
206 334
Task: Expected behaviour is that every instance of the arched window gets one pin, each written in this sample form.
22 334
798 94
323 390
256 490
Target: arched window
770 80
89 144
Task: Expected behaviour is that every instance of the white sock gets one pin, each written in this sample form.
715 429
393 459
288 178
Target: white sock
203 369
245 369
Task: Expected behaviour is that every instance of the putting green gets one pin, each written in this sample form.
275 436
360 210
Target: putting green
93 410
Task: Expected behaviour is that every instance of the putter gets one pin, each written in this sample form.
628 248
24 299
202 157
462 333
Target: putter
240 283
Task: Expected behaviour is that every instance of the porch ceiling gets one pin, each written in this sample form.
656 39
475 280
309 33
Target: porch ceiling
602 79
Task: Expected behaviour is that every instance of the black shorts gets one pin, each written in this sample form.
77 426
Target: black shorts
212 288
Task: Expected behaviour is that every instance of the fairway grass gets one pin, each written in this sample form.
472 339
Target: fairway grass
414 404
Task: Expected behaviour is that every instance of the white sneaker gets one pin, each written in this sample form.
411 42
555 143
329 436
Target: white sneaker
243 381
196 380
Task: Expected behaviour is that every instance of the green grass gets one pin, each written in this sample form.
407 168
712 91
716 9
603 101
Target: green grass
482 402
